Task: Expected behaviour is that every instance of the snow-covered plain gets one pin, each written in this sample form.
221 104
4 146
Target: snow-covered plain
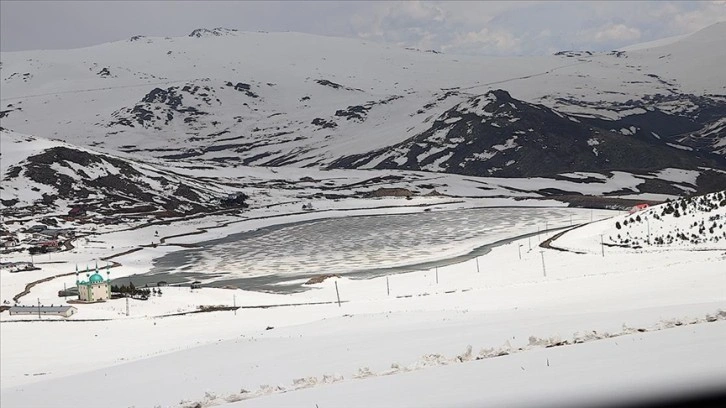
399 333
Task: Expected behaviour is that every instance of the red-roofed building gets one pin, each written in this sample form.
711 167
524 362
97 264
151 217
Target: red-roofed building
638 207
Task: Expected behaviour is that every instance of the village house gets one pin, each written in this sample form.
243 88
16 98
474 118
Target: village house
638 207
77 211
9 241
36 228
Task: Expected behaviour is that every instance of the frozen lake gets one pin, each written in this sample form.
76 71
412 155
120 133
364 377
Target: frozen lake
356 246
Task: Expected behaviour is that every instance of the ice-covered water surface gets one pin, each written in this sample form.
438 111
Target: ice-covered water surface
355 244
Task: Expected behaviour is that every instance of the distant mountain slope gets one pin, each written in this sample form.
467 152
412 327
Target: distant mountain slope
495 134
49 176
291 99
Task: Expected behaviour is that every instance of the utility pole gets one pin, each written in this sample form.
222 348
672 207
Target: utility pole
544 271
519 250
477 264
38 308
647 221
529 242
234 303
437 275
127 305
337 293
388 287
602 246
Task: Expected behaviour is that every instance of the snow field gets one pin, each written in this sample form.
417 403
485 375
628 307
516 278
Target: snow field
507 301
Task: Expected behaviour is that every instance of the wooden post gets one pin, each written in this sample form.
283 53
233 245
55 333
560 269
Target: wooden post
127 304
477 264
602 245
544 271
234 304
38 308
388 287
437 275
337 293
519 251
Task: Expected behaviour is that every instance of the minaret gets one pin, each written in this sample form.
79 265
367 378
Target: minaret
108 279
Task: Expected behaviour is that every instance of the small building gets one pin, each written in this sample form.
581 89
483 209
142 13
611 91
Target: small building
9 241
53 243
68 292
95 289
55 233
36 228
638 207
63 311
77 211
21 266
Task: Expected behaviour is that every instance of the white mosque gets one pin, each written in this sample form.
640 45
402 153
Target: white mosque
95 289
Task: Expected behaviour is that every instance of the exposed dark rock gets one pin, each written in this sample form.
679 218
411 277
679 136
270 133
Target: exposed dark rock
243 87
214 32
333 85
325 124
357 112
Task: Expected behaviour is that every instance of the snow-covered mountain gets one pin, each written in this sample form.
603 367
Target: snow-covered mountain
42 177
304 100
222 98
495 134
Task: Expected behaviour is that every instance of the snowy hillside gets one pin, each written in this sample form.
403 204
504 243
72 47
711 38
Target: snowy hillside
690 223
274 99
495 134
42 177
693 221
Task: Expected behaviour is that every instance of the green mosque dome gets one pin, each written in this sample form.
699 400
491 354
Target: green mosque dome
95 278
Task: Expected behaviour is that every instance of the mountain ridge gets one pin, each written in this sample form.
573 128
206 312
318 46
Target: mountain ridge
286 99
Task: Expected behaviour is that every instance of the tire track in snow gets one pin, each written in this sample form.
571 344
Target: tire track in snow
76 91
527 76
